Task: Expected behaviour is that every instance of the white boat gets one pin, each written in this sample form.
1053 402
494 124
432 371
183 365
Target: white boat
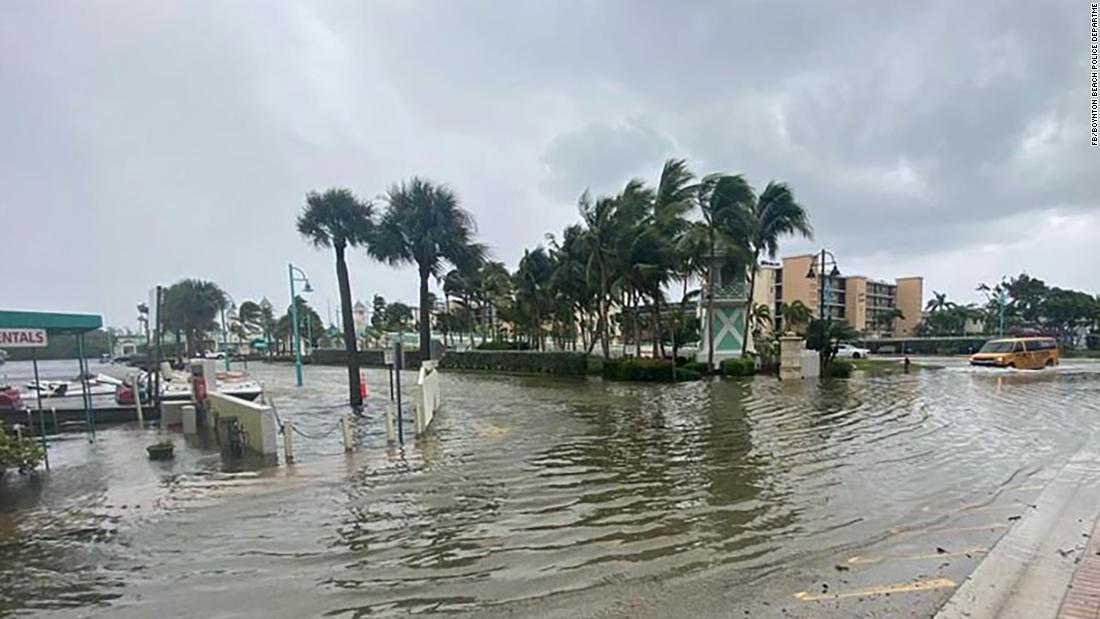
176 386
98 384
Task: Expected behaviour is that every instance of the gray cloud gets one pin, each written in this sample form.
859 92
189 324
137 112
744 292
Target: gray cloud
146 142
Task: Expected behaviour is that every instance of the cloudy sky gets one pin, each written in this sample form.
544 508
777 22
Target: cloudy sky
142 142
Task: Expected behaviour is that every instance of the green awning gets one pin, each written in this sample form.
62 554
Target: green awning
52 322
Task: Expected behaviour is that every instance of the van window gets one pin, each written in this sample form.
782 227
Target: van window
1019 347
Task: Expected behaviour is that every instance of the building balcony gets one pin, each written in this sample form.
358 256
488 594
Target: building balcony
737 291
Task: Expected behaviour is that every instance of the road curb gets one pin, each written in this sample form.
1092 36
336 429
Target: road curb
1028 571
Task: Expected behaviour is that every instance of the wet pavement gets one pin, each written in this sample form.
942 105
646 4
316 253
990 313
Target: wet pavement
874 496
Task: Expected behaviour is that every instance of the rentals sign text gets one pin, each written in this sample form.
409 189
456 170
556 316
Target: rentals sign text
22 338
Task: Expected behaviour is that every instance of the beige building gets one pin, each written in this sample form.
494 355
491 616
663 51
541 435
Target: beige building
868 305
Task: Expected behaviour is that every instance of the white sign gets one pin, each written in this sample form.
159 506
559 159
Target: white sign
22 338
387 356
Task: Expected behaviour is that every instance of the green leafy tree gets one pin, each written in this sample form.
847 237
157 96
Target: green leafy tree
190 307
378 312
424 225
768 217
337 219
823 335
938 302
796 315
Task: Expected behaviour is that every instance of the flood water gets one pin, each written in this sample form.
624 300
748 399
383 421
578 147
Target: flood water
529 493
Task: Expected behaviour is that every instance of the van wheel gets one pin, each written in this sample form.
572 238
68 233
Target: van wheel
1050 363
856 355
1011 365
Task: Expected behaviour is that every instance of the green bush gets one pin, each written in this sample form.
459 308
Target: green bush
840 368
738 366
595 365
696 366
23 455
523 361
646 370
503 345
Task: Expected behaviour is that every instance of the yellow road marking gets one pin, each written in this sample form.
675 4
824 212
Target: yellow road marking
857 560
920 585
977 527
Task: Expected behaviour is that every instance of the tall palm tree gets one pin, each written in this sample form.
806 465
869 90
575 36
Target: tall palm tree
673 200
424 225
337 219
773 214
796 314
601 238
722 232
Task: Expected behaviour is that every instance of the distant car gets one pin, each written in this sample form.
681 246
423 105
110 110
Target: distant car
215 355
852 351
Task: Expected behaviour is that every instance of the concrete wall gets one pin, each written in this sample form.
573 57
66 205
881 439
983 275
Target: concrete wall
764 292
911 303
855 301
257 420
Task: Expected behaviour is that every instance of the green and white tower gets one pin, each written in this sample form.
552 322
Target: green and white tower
725 316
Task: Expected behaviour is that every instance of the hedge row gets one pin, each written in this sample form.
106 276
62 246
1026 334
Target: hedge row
556 363
738 367
646 370
504 345
370 357
925 345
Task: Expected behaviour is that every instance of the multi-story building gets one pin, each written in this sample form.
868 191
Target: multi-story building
868 305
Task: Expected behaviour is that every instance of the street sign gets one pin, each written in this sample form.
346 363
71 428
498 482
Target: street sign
23 338
387 356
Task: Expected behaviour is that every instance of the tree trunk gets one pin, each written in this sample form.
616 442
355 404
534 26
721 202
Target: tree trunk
710 304
469 318
344 282
425 317
605 330
658 346
752 290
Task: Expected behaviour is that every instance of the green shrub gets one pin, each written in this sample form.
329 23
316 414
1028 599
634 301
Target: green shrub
646 370
23 454
840 368
522 361
503 345
595 365
738 366
696 366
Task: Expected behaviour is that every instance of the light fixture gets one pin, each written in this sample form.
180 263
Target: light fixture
811 274
835 272
307 287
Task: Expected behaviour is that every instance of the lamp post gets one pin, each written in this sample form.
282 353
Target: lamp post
296 275
225 332
823 261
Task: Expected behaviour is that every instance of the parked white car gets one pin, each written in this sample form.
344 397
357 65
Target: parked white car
851 351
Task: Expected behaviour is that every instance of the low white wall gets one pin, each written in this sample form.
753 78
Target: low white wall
428 398
257 420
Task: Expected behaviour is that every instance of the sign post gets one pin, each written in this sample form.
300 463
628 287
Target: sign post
33 339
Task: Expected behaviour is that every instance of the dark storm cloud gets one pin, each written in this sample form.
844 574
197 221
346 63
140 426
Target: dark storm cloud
144 142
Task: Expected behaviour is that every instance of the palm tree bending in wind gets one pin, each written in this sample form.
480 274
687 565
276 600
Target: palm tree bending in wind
769 216
424 225
337 219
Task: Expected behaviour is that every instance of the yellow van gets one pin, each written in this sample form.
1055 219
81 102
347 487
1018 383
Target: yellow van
1030 353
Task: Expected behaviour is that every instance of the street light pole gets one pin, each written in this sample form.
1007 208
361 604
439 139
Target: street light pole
291 269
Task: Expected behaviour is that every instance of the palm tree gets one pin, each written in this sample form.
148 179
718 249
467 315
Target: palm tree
938 302
337 219
795 315
190 306
672 202
424 225
767 217
721 231
600 232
